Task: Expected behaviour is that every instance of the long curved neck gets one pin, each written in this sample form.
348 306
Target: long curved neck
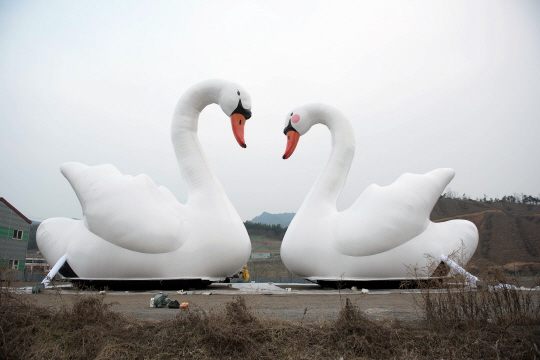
325 192
202 184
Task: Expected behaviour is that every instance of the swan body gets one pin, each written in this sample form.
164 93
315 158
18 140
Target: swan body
384 234
133 229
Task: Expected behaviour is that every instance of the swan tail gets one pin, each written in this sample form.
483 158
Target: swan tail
54 236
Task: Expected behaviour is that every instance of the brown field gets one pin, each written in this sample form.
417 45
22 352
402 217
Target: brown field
261 243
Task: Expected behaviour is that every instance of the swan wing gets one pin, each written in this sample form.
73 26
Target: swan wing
128 211
383 218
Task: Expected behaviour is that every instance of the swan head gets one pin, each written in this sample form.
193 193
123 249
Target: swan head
235 102
297 123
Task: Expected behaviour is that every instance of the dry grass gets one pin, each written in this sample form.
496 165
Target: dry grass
89 329
457 306
454 322
449 302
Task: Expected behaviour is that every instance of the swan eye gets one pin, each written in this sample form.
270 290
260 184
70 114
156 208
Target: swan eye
291 114
238 92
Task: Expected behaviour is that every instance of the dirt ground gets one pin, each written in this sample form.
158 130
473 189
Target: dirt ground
308 305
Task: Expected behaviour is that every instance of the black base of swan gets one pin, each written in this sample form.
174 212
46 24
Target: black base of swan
380 284
140 285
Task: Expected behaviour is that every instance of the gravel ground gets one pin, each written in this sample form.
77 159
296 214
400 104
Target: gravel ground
301 302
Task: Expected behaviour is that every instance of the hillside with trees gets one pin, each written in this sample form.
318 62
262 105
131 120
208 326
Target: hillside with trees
270 231
509 229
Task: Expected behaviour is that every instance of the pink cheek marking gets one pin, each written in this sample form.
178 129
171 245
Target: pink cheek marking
295 118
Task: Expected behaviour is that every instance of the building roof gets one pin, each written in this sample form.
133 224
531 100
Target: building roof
16 211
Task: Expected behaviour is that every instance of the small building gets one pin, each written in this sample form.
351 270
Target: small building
260 256
35 263
14 230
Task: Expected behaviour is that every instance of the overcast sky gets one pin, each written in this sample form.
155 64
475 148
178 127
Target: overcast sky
426 84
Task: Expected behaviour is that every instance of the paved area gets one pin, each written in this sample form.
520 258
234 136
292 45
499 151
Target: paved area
296 302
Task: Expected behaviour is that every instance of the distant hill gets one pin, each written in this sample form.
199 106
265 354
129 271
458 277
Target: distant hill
32 245
283 219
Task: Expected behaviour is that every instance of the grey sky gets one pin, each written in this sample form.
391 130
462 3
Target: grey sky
426 85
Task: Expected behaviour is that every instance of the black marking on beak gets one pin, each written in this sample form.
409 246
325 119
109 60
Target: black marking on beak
240 110
289 128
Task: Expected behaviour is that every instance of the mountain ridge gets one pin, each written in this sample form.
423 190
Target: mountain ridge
283 219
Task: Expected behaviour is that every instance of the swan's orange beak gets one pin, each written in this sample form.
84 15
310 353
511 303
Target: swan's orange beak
292 140
238 121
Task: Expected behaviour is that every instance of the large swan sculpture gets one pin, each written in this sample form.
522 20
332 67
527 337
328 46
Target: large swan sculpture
133 229
384 234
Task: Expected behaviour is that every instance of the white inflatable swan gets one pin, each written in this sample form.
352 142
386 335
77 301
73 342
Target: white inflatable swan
383 234
132 229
